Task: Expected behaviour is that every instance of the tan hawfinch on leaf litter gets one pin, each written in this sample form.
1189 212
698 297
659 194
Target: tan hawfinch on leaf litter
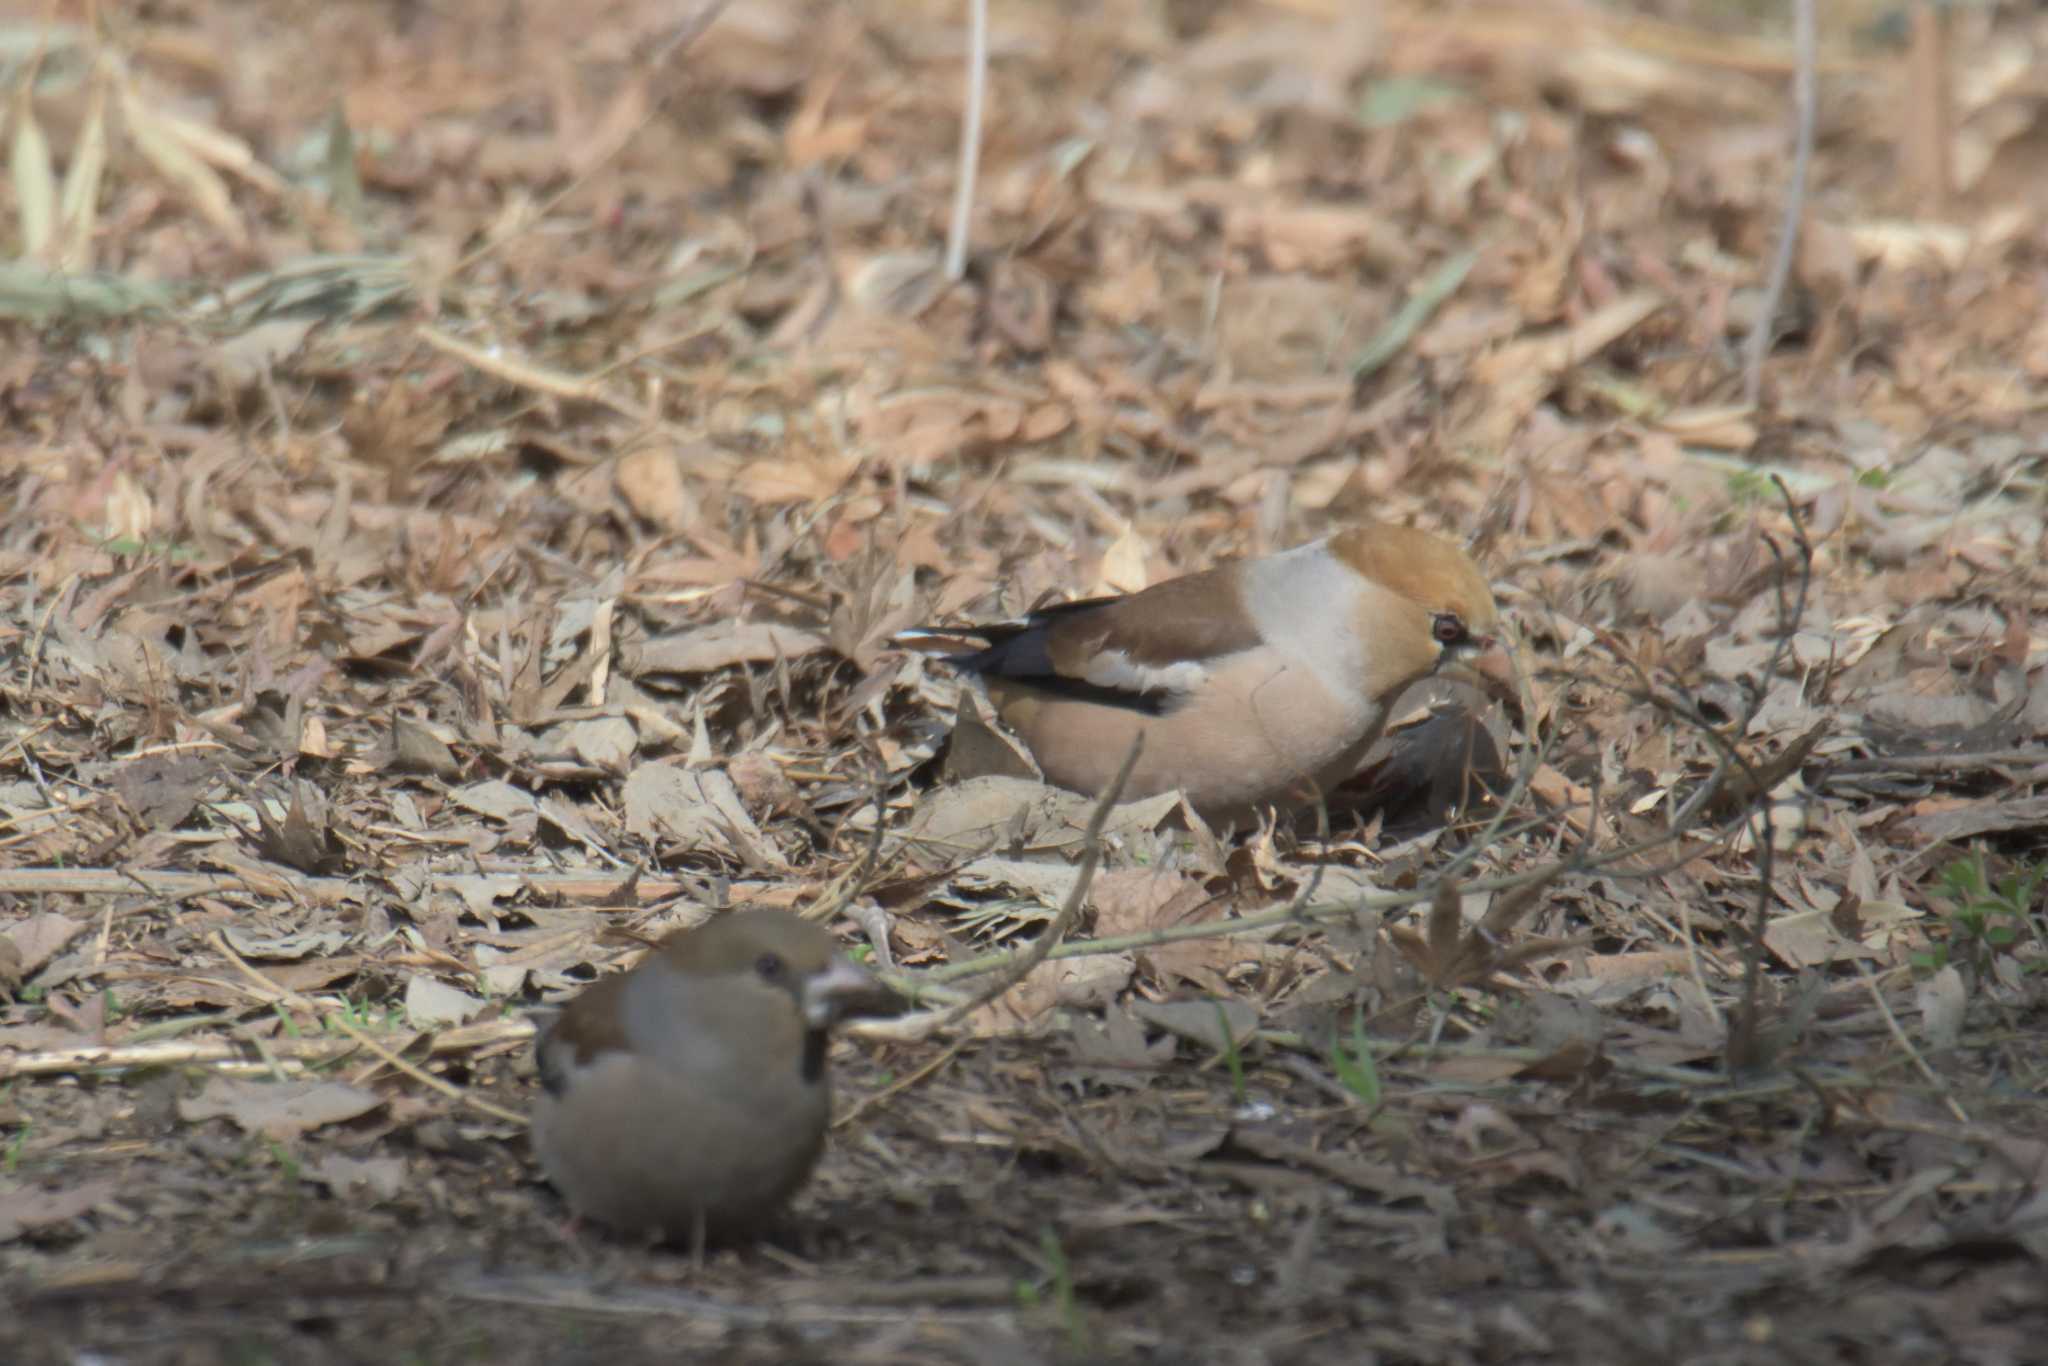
1257 682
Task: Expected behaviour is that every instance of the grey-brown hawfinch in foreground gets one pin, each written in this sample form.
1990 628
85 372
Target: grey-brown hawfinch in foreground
1260 681
688 1097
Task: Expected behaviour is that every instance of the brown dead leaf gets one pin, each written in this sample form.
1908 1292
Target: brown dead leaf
979 747
1449 954
698 809
1519 374
721 646
1136 900
37 939
1118 1043
431 1003
351 1178
302 839
416 749
650 479
278 1109
955 824
163 790
913 428
792 480
1020 307
25 1208
1954 822
1811 938
1085 984
1316 238
1217 1025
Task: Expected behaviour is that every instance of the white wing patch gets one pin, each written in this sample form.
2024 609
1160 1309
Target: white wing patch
1114 669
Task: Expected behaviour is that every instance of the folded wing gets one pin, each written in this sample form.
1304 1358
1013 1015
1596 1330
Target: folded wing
1146 652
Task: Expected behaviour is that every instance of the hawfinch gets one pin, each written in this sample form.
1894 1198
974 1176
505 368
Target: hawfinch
688 1097
1256 682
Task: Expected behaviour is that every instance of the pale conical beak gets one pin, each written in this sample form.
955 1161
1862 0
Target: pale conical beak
1488 668
827 993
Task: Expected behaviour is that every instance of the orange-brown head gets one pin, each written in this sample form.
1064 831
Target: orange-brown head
1434 607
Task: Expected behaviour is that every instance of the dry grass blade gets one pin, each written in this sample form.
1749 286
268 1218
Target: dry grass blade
266 990
70 249
174 160
33 175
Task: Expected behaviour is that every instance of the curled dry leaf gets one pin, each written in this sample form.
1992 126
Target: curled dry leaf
278 1109
25 1208
1075 983
954 824
37 939
722 646
430 1003
980 746
1135 900
699 809
650 479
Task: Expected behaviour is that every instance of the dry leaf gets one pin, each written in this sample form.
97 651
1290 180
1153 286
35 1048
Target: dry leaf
278 1109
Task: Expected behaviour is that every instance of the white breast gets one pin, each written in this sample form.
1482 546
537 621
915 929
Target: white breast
1305 602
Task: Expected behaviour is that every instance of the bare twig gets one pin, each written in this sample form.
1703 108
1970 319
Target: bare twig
1021 964
1533 760
1805 99
970 139
276 881
841 891
232 1056
1905 1044
1744 1033
1262 923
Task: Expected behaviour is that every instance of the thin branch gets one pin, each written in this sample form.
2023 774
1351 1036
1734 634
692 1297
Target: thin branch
1899 1036
970 138
1745 1032
232 1056
1526 772
842 890
1046 943
1805 101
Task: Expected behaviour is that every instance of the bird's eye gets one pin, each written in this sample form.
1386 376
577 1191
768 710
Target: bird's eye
1449 628
769 965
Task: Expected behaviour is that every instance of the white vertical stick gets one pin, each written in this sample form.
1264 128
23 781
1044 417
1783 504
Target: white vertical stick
1805 98
970 138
